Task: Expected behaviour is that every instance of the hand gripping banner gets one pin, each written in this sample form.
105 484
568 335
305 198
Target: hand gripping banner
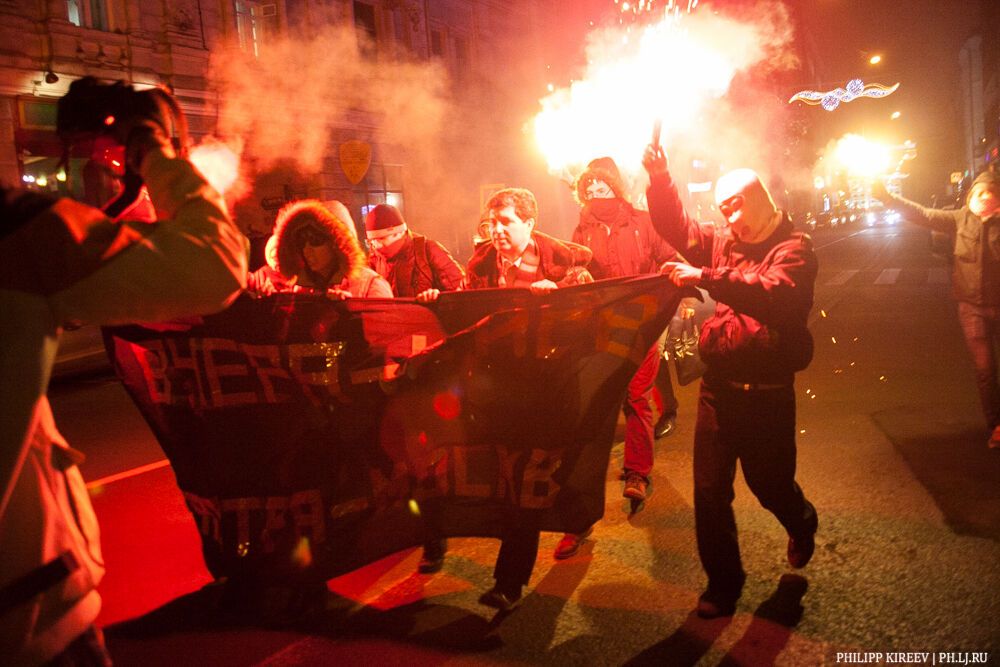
313 435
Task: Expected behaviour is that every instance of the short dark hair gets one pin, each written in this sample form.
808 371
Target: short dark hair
521 199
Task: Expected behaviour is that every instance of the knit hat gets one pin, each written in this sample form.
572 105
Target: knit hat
384 220
600 169
307 220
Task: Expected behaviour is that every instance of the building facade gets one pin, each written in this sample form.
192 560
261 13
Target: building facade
480 53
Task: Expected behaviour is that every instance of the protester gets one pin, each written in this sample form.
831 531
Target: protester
411 262
624 243
975 278
520 256
761 274
318 252
414 266
63 262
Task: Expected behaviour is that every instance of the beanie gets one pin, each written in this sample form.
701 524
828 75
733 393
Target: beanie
990 179
384 220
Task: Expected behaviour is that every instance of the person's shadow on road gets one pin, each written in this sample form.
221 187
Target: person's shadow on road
772 625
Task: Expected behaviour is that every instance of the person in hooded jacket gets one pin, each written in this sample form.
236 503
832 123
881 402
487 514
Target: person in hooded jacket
975 278
761 274
318 252
624 243
411 262
63 262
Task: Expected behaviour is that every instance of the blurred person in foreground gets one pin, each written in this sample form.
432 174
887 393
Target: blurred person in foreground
520 256
62 263
761 274
624 243
975 277
317 251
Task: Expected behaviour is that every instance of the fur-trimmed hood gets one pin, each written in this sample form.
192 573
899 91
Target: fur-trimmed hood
310 216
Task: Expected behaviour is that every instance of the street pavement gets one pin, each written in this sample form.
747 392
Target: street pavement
891 451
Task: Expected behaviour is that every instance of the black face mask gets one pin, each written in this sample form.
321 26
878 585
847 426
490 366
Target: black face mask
603 209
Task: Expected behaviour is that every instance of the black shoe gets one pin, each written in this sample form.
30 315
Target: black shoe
433 558
502 600
801 548
665 426
716 605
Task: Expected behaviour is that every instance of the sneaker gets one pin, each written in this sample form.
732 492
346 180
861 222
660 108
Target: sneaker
635 486
801 548
994 442
433 557
665 426
570 544
502 600
716 605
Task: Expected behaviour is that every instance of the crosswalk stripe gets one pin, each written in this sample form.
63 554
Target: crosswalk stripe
888 277
842 277
938 276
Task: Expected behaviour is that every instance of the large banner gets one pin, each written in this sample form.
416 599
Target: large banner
311 433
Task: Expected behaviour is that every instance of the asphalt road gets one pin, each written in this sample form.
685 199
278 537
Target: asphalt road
891 451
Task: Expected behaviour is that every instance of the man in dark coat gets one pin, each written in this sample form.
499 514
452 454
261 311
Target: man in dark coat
411 262
976 278
761 274
520 256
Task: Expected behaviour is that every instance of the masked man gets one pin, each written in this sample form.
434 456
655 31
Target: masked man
624 243
975 280
411 262
761 274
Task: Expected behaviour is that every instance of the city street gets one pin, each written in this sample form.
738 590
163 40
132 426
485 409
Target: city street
892 452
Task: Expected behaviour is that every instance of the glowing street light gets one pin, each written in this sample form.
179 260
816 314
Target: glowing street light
875 60
895 115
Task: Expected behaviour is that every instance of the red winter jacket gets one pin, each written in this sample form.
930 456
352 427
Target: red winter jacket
763 292
622 239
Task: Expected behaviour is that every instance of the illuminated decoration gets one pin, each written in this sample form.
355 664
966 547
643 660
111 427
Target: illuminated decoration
831 99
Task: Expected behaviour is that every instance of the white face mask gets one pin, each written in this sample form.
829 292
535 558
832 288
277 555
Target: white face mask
984 201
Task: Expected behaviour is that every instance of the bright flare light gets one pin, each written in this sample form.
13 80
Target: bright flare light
862 157
670 70
218 163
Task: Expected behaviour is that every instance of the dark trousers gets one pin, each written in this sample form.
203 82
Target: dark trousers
518 551
981 326
756 427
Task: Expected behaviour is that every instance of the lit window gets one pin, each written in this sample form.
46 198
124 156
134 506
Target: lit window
108 15
255 22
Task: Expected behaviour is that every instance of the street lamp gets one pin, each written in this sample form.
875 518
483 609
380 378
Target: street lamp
895 115
875 59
